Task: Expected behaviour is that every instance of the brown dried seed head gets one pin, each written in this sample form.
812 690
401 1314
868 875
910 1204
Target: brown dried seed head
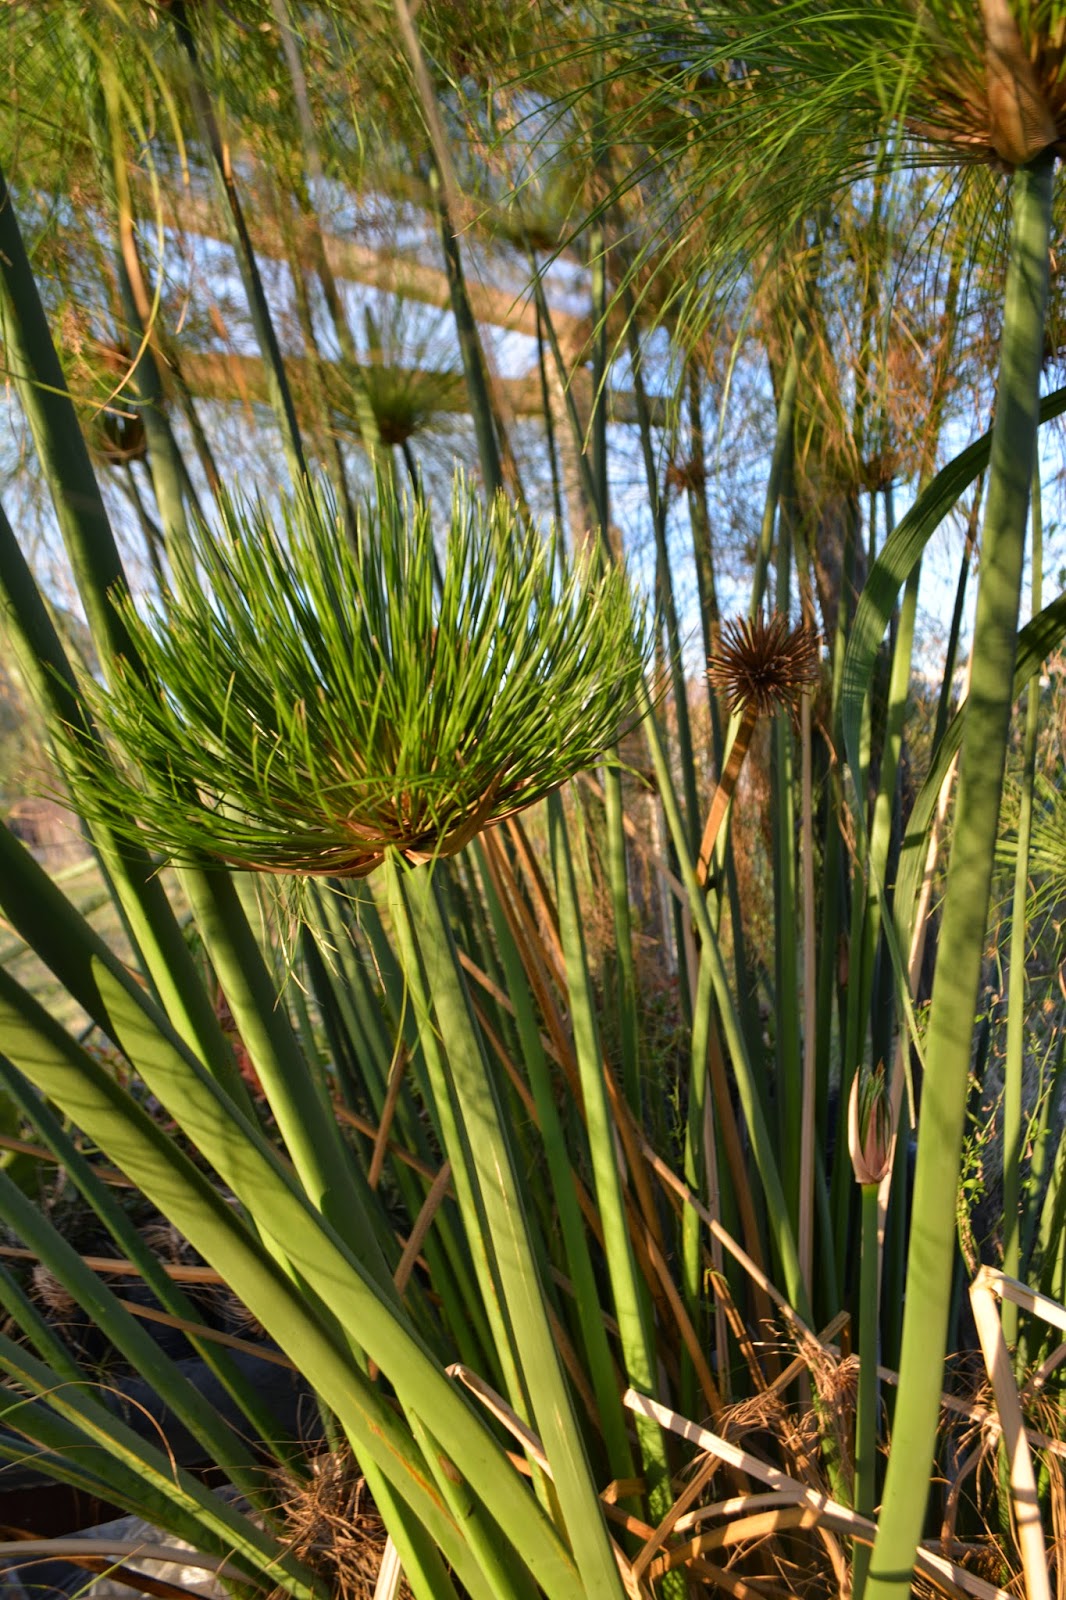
765 663
49 1292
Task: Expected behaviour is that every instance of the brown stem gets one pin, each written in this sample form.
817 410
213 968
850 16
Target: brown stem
723 794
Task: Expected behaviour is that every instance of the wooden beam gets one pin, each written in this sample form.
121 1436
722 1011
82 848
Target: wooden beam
239 378
394 271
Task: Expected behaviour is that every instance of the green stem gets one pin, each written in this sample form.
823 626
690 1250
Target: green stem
951 655
664 583
32 901
130 1244
630 1303
780 464
787 1024
352 1013
469 1083
703 549
694 1162
962 937
1012 1086
447 1114
30 358
331 1178
571 1226
867 1404
244 252
733 1034
84 1089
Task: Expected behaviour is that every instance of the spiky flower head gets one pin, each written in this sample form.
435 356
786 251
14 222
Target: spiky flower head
314 699
764 663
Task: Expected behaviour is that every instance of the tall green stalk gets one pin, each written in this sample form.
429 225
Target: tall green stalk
293 1311
703 548
89 541
1012 1085
617 863
244 252
306 200
431 951
733 1034
866 1401
665 585
630 1300
780 467
570 1223
788 1043
962 936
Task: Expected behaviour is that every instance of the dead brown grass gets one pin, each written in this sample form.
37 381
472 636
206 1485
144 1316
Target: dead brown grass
333 1525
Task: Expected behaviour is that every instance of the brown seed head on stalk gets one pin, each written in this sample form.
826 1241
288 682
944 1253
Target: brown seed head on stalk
760 666
764 663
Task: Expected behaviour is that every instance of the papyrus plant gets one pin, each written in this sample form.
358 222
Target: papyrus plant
313 702
801 101
320 708
310 1246
505 634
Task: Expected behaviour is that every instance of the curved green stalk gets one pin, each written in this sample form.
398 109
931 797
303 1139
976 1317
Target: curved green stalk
351 1002
664 580
884 804
869 888
170 1295
1037 640
153 926
780 467
221 1443
30 358
699 515
788 1028
137 1464
304 1117
890 571
694 1162
929 1265
456 1143
599 499
85 1090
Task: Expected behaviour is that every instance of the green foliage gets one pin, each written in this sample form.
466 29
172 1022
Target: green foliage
326 705
439 1165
